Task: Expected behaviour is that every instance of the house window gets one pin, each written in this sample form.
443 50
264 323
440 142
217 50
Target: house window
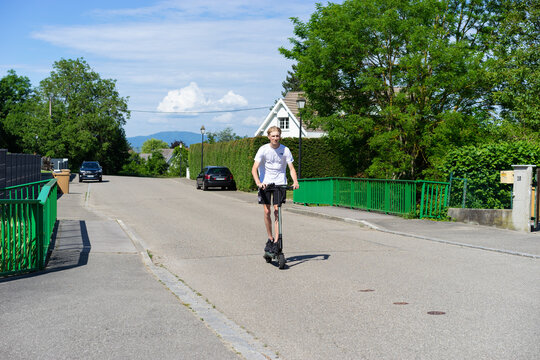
284 123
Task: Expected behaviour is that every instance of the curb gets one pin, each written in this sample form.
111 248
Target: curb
231 334
378 228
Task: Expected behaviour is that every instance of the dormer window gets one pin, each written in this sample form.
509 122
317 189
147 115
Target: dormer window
284 123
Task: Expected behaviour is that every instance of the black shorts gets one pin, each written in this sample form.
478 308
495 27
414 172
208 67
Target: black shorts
275 194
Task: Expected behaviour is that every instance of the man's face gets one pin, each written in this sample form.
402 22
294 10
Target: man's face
274 137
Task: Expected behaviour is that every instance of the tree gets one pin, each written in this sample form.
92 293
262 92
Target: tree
152 145
177 143
292 82
87 119
515 69
14 92
224 135
397 81
156 164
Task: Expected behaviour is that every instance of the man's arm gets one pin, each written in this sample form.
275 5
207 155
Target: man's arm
293 176
255 174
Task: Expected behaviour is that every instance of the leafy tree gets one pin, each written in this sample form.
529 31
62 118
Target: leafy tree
152 145
515 69
177 143
14 92
398 81
156 164
292 82
87 118
224 135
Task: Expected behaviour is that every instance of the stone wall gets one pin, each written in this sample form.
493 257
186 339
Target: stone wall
501 218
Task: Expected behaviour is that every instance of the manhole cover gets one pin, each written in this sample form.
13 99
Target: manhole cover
436 313
367 290
401 303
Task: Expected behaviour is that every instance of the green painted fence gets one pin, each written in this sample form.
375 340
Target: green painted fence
388 196
27 219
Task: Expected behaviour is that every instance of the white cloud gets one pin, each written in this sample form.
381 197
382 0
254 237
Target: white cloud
185 99
192 98
232 100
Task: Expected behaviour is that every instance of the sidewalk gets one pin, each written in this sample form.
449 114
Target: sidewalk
96 300
455 233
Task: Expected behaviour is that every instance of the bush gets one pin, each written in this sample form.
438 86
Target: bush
481 166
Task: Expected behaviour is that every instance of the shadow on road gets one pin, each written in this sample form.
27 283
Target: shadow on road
70 247
300 259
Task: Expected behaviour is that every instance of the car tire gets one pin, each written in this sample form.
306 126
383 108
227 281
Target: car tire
198 187
80 180
100 179
205 187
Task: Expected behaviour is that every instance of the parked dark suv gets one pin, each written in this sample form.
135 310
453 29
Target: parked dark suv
216 176
90 170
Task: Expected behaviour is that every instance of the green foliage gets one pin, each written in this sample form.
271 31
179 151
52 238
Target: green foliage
178 162
87 116
319 158
224 135
151 145
14 92
398 82
135 166
515 69
156 164
481 166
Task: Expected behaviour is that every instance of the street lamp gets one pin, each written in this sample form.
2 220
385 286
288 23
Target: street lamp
300 103
202 145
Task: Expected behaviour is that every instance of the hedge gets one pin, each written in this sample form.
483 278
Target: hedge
481 166
319 158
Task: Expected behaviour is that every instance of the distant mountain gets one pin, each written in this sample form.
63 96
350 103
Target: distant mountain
169 137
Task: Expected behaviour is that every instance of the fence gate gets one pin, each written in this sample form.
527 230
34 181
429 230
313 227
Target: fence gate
434 200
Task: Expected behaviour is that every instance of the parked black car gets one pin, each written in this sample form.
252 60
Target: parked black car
90 170
216 176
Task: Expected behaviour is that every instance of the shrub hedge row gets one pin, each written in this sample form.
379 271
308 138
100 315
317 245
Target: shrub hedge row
319 158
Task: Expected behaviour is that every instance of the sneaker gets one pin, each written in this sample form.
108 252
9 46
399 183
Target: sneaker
268 247
275 248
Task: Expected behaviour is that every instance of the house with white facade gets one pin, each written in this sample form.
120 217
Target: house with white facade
284 115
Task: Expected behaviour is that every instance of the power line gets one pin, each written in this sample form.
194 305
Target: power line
200 112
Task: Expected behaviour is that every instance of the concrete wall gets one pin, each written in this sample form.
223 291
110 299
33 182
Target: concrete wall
501 218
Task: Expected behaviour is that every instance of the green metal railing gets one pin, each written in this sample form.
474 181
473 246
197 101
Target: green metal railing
434 200
27 219
388 196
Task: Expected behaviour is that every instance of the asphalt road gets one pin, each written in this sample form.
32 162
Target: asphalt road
348 292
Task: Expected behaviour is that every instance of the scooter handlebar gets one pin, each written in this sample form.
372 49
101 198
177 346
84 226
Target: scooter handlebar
272 185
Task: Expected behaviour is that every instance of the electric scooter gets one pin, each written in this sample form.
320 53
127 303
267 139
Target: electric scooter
279 256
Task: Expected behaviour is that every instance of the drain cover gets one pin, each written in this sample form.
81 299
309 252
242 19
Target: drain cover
366 290
436 313
401 303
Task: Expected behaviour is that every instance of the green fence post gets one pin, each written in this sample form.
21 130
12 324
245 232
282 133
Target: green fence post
422 201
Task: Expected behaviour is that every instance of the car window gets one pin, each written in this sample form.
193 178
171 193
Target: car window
219 171
91 165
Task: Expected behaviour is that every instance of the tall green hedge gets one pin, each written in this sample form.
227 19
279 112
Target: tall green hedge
319 158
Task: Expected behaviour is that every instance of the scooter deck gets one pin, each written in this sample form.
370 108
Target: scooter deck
271 255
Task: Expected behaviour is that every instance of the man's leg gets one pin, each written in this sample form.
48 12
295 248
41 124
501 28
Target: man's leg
276 222
268 221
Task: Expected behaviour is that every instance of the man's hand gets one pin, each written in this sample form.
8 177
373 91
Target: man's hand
296 185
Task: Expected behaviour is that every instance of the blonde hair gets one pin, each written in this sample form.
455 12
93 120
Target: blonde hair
272 129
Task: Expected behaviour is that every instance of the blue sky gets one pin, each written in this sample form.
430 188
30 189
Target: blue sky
176 55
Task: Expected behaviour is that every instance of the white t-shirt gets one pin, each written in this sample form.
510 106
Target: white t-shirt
273 164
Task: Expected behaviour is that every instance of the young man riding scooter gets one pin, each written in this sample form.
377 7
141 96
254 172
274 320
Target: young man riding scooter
270 167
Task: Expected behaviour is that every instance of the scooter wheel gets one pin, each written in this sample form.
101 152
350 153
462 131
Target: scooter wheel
281 261
267 258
